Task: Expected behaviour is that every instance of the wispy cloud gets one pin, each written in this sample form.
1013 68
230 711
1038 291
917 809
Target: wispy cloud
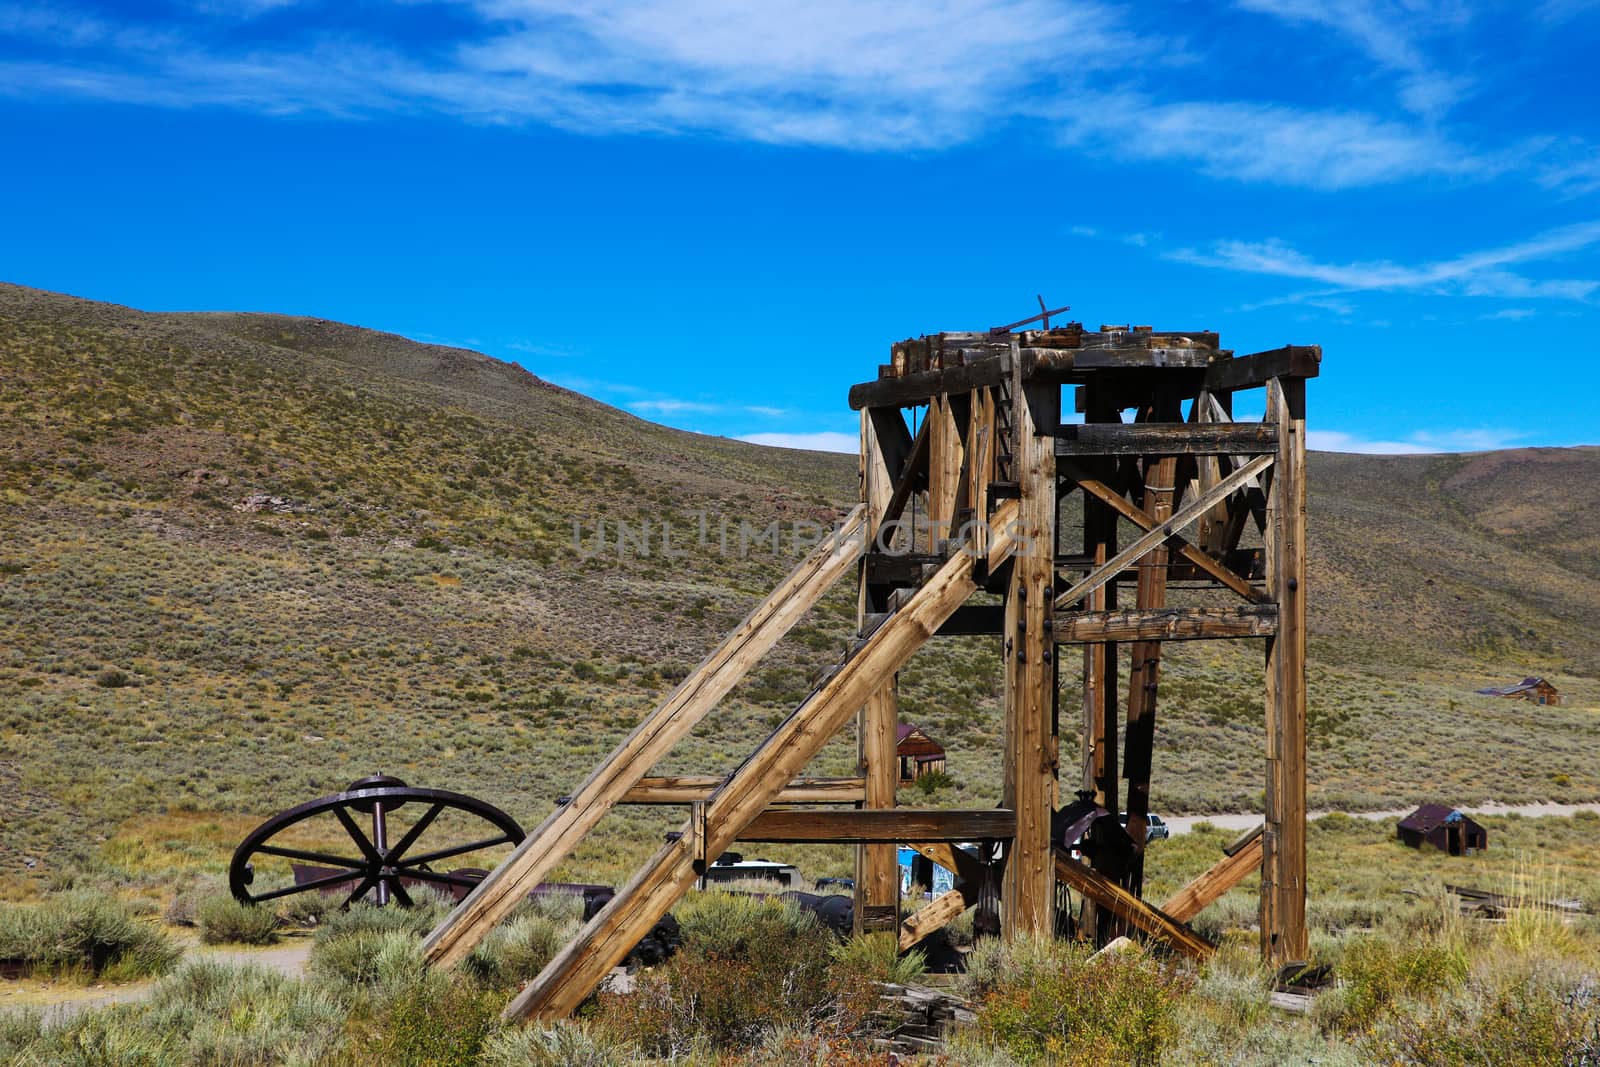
1422 442
822 441
870 75
671 406
1388 34
1480 273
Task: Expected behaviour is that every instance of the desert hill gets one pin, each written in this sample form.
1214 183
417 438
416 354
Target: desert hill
247 558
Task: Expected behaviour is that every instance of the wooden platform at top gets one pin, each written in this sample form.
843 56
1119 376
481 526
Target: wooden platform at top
955 361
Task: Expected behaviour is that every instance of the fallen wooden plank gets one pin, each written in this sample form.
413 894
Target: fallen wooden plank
1205 889
653 738
1125 905
934 915
885 825
1165 624
964 865
608 937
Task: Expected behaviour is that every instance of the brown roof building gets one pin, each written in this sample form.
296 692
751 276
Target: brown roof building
919 754
1536 690
1446 829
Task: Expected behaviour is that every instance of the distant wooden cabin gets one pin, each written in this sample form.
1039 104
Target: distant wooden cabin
1446 829
919 754
1536 690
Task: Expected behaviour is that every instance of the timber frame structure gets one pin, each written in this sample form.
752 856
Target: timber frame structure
966 497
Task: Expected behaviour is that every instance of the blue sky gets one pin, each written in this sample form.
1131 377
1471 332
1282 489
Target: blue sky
719 215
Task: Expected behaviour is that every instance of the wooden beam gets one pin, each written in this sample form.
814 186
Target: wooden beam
1256 369
1208 564
917 388
910 478
945 460
888 826
686 789
608 937
934 915
964 865
539 853
1207 888
877 882
1191 511
1144 670
1029 738
1165 624
1125 905
1283 869
1166 439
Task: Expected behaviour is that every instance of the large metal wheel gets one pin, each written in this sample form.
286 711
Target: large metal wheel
378 866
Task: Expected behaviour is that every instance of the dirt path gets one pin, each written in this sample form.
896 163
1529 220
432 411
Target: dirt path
1182 824
62 1001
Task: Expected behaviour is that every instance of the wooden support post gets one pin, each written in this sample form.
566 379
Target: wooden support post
1283 869
629 762
1206 888
1144 670
1099 733
1029 748
945 451
1125 905
640 904
877 882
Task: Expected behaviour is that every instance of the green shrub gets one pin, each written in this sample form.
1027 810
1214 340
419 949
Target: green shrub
518 948
225 921
1045 1001
428 1021
111 678
1379 971
84 933
747 965
563 1045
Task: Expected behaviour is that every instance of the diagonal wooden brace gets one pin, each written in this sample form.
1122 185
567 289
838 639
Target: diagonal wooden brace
607 938
1124 904
626 767
1207 888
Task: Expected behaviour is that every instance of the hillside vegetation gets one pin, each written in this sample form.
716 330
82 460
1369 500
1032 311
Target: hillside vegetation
246 559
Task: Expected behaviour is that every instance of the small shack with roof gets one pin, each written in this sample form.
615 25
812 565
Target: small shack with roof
1445 828
918 753
1536 690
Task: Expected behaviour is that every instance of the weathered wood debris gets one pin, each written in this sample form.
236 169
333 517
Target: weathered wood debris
913 1018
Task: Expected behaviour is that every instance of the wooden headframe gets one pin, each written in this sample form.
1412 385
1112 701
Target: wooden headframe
965 460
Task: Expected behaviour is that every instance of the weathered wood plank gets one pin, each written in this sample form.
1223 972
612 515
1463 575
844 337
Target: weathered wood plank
963 864
1165 624
877 885
611 934
884 825
1205 889
934 915
916 388
1029 740
1153 439
1179 522
688 788
1125 905
1258 368
1283 869
684 708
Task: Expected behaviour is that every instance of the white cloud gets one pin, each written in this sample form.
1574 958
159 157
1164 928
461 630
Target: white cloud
1512 314
872 75
1270 142
1387 32
1473 273
670 406
822 441
1419 443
